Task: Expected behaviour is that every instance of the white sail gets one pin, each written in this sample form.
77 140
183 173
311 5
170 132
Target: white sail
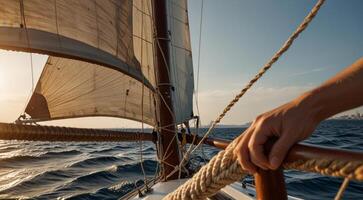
101 59
91 90
181 63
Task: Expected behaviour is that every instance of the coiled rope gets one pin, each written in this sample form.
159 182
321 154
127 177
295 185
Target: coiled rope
224 169
262 71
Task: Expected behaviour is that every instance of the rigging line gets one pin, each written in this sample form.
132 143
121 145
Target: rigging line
31 55
342 188
169 145
142 101
262 71
192 143
164 59
168 73
32 70
56 22
98 31
164 101
158 43
154 96
28 41
196 91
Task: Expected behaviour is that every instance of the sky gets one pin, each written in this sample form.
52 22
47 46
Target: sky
238 37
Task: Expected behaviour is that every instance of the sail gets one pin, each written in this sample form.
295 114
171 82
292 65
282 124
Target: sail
95 31
91 90
101 57
181 64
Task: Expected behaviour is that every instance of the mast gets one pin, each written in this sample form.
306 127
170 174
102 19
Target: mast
168 149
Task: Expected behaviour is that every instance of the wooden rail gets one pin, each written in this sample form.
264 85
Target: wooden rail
270 184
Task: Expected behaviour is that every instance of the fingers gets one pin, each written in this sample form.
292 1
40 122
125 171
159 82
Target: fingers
243 156
250 149
279 151
242 152
256 148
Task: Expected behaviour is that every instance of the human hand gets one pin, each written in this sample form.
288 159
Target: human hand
290 123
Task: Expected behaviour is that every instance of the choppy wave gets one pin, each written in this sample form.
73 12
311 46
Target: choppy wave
98 161
42 170
62 153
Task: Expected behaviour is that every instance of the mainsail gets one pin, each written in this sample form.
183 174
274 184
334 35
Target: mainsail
101 59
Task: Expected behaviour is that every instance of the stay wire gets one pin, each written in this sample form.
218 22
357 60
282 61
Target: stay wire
196 91
142 103
31 56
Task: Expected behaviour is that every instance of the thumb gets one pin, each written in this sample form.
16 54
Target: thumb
279 151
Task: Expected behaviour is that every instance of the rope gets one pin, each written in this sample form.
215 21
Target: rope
224 169
142 105
28 42
56 133
342 189
338 168
198 63
274 58
262 71
166 152
22 12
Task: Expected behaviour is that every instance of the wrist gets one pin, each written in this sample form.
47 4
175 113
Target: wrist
311 105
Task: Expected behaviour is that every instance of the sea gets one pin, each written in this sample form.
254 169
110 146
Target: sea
89 170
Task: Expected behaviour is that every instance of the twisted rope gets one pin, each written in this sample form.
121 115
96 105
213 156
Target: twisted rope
262 71
337 168
274 58
56 133
224 169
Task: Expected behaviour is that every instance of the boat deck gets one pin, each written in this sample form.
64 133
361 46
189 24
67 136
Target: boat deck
230 192
161 189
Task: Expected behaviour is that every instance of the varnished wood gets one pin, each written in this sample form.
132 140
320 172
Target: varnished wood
270 184
300 151
168 149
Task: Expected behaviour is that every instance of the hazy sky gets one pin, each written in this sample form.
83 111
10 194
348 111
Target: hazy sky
238 37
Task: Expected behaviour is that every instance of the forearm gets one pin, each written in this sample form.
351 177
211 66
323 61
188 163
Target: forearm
342 92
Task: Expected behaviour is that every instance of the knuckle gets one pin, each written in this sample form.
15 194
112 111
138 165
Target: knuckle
263 122
259 117
251 146
256 161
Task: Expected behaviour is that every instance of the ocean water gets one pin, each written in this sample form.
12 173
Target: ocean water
42 170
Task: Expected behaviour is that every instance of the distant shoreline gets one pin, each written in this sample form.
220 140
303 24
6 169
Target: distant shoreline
246 125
